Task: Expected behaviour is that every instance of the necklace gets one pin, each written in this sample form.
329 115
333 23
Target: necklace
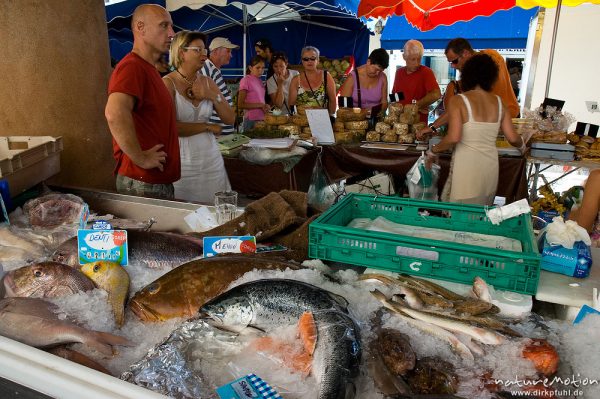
189 92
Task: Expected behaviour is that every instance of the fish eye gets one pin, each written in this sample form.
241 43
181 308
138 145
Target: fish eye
38 273
220 309
153 288
96 268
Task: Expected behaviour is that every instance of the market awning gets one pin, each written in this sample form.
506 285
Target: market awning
504 29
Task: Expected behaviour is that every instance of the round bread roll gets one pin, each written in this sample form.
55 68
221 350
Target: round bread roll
359 125
292 129
373 136
587 139
382 127
389 137
390 119
406 118
271 119
343 137
300 120
359 135
400 128
411 109
406 138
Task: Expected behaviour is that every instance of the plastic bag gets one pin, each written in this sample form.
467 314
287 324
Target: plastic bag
422 182
322 193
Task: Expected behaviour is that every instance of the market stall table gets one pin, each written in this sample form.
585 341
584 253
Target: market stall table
535 170
255 180
344 161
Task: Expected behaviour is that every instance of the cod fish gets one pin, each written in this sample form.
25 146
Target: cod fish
32 321
112 278
266 304
181 291
45 280
151 248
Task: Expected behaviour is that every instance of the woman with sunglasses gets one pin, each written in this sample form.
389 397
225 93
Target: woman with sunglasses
415 81
278 85
313 88
475 117
367 84
195 96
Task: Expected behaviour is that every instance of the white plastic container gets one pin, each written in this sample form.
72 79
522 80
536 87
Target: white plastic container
28 160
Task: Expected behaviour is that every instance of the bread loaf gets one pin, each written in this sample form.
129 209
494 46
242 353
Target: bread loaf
390 137
373 136
300 120
416 128
406 118
400 128
406 138
395 109
360 125
382 127
343 137
411 109
338 126
306 130
292 129
271 119
351 114
390 119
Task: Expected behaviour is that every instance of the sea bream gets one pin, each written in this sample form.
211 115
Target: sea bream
45 280
151 248
181 292
268 304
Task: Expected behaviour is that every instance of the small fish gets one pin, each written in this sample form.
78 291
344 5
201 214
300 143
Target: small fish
427 285
481 290
429 328
112 278
45 280
74 356
33 321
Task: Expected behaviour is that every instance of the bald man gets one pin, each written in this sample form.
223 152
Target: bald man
140 111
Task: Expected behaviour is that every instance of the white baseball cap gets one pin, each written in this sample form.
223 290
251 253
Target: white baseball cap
221 42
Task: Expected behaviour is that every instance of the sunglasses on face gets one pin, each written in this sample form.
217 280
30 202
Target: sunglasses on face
199 50
455 61
306 59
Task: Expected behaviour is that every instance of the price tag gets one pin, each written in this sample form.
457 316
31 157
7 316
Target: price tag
109 245
228 244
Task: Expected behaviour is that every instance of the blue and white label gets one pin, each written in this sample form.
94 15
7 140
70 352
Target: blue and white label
228 244
109 245
101 225
248 387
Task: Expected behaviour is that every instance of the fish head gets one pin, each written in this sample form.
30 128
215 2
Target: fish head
97 270
30 281
228 312
153 303
67 253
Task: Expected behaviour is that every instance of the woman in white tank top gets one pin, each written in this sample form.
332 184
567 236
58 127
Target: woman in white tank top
475 118
202 169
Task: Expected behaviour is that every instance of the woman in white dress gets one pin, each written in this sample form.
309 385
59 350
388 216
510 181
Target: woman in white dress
202 169
476 117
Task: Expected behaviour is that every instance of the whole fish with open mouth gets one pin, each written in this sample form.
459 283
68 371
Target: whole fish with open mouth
112 278
45 280
266 304
181 292
151 248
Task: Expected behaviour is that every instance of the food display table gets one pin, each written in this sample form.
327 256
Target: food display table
256 181
539 165
344 161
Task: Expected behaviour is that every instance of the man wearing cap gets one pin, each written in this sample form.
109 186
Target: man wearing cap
220 54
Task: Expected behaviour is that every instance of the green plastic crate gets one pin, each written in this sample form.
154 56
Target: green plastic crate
330 239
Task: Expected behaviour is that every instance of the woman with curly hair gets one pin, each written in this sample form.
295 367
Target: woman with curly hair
475 117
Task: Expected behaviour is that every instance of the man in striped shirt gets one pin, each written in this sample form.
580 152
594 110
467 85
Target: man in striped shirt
220 54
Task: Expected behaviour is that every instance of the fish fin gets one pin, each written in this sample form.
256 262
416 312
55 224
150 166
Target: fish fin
307 331
103 342
343 302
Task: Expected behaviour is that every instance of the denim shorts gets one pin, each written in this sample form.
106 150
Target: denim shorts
129 186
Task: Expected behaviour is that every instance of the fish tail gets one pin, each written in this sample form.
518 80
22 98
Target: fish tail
103 342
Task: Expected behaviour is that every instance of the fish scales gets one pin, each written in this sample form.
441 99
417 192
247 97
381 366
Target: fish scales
278 301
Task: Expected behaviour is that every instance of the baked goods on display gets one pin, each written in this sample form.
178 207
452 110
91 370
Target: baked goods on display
550 124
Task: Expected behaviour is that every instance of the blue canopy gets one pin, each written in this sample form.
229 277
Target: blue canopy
329 25
504 30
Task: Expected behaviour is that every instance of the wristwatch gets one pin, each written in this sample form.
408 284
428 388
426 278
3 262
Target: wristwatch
433 128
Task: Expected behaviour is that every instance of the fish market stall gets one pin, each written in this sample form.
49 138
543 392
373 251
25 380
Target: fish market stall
315 329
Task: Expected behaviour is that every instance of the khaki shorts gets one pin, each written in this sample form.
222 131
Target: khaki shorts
129 186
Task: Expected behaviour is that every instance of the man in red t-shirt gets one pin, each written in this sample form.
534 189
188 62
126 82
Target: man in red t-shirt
140 111
415 81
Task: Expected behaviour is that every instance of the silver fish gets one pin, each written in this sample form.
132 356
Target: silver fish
152 248
481 290
266 304
33 322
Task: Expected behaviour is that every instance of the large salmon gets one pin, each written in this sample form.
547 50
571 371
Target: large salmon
181 292
267 304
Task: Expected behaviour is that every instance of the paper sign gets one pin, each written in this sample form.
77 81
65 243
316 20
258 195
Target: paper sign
592 106
95 245
228 244
320 125
586 129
